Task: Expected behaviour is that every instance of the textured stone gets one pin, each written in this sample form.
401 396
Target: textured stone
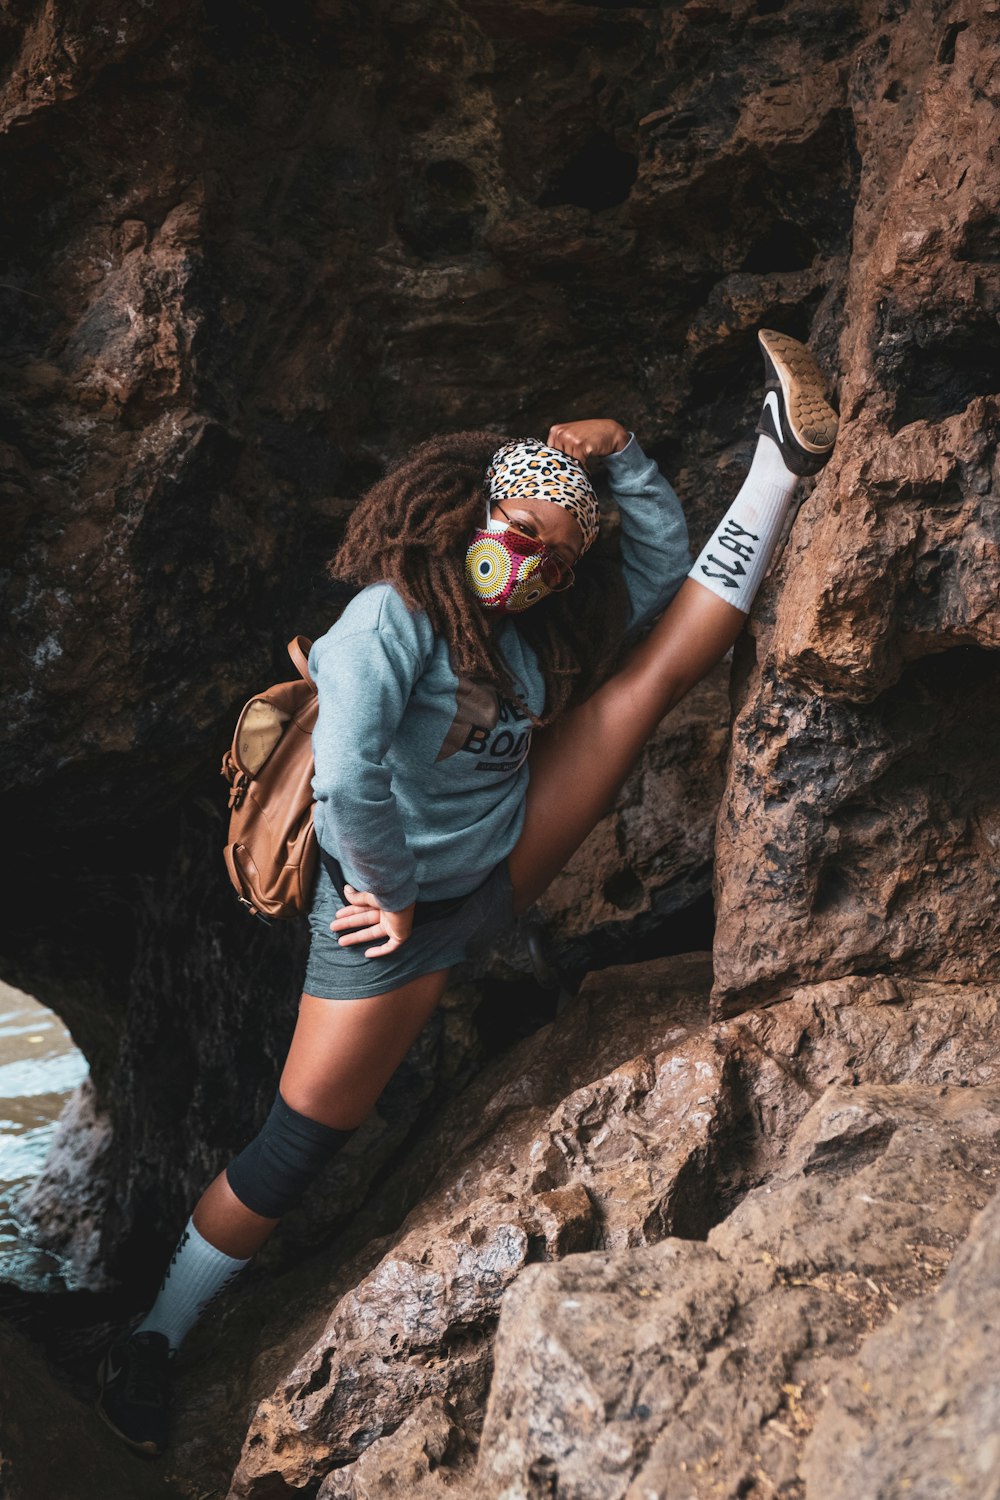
628 1121
66 1202
698 1369
865 832
250 258
554 1157
915 1414
860 822
224 314
418 1459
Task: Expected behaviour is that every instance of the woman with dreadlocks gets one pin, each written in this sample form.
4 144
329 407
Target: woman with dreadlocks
440 811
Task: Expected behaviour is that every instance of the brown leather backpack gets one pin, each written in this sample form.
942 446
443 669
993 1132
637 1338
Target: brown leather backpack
271 853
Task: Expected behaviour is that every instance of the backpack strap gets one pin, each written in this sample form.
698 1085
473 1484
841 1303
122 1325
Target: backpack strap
298 649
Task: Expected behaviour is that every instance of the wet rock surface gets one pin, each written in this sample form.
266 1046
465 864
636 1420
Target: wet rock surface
68 1199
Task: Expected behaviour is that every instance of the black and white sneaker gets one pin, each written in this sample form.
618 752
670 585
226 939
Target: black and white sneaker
134 1382
796 414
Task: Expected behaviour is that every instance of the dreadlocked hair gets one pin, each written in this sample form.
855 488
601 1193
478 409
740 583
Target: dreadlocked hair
412 530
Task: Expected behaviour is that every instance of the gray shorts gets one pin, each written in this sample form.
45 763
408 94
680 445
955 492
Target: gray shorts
336 973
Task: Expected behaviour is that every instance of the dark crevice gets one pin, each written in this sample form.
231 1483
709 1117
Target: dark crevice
320 1377
713 1181
543 1479
441 212
935 368
537 1249
980 238
744 1146
681 919
784 246
834 889
853 1150
599 175
946 50
461 1338
695 1206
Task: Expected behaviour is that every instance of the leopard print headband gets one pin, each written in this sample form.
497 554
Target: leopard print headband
531 470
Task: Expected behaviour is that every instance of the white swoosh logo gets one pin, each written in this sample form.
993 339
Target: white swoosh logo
771 400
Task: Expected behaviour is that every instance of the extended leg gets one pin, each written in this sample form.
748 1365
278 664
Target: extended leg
342 1055
578 764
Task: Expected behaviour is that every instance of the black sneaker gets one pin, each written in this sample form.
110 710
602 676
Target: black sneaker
796 413
134 1384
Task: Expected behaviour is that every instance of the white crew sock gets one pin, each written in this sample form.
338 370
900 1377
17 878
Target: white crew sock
197 1273
734 560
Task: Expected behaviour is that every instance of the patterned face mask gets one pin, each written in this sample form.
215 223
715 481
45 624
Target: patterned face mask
510 572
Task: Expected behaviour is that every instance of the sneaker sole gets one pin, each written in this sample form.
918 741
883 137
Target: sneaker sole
812 419
147 1449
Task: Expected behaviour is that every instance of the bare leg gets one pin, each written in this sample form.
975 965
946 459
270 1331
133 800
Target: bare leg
579 763
342 1055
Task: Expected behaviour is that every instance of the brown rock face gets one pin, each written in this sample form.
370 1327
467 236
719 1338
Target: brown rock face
578 1142
250 255
632 1373
917 1409
249 260
860 822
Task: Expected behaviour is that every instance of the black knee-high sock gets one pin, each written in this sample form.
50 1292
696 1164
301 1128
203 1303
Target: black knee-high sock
268 1176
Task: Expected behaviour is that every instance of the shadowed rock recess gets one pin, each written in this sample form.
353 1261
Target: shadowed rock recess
717 1225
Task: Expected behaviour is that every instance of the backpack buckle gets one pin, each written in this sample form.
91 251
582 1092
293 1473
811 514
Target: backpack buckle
249 906
237 788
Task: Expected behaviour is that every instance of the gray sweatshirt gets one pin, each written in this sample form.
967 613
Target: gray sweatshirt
420 775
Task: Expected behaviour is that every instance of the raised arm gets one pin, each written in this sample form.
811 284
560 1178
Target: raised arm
654 538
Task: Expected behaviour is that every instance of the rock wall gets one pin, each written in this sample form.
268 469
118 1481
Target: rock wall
860 822
698 1369
249 257
247 260
641 1239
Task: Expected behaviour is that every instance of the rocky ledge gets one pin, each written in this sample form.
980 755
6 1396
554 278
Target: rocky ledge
642 1253
650 1255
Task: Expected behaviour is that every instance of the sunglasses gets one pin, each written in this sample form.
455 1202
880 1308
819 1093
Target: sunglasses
556 574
